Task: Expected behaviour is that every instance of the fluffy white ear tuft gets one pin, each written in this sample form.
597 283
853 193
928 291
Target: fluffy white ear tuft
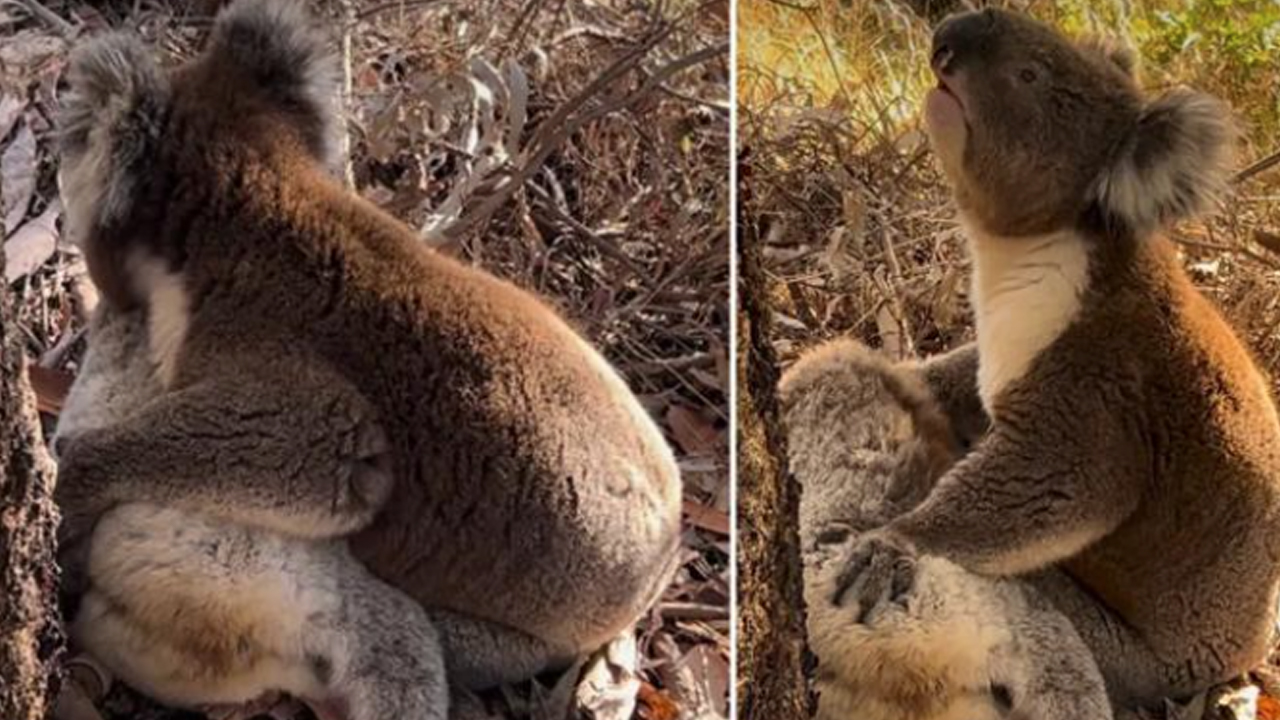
1114 50
1174 163
276 47
110 121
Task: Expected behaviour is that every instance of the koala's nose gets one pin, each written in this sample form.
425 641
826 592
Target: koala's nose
958 37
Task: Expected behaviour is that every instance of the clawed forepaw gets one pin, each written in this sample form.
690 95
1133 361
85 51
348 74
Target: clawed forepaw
880 570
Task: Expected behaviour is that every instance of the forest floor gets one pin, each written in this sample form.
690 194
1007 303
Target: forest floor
620 113
860 238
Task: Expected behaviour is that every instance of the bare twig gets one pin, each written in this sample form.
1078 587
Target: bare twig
1256 168
395 5
348 27
564 123
64 27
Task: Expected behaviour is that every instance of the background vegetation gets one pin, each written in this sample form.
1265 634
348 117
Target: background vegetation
858 236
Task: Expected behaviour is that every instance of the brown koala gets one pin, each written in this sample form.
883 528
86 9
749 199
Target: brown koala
323 374
1134 443
867 441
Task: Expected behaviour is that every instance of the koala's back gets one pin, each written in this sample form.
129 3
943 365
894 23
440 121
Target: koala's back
1199 433
517 449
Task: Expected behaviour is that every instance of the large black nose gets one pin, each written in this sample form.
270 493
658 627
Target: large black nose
961 37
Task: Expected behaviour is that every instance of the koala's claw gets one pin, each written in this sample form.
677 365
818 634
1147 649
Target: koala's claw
878 571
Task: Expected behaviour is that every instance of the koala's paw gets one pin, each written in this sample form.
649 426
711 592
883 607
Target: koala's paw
365 478
877 576
79 501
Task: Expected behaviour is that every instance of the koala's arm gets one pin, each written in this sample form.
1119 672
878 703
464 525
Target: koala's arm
282 445
1037 490
952 379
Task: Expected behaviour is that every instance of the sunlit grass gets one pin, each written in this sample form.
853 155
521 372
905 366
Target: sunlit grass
867 58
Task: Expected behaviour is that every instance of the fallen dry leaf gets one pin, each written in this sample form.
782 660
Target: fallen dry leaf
50 387
1268 708
706 518
30 49
17 177
656 704
34 243
10 109
692 431
1267 239
608 688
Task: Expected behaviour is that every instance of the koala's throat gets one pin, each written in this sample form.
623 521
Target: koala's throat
1026 292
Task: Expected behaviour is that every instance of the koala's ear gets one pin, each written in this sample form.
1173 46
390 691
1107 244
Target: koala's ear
1113 50
1174 163
110 122
274 45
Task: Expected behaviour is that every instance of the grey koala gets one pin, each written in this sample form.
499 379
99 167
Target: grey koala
1134 443
324 376
867 441
193 609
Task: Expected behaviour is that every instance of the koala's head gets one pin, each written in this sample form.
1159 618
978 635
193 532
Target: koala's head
134 135
1033 130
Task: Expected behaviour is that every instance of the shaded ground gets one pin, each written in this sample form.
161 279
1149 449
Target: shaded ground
612 117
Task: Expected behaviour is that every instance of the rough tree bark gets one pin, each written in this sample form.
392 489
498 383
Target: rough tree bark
773 658
30 634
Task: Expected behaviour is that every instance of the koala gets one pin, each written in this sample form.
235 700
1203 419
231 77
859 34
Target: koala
323 376
194 609
1131 473
867 440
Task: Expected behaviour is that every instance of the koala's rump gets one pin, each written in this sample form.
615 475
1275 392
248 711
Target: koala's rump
522 557
529 482
1203 444
536 491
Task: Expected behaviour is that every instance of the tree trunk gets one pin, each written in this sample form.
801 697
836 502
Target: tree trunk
772 652
30 633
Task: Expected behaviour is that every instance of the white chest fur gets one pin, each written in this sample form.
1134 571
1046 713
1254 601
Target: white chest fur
168 313
1026 291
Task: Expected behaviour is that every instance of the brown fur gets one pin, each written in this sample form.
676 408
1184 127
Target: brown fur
527 480
1140 449
867 441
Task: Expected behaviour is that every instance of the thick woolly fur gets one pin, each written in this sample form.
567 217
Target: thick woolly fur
1134 442
192 609
867 442
324 372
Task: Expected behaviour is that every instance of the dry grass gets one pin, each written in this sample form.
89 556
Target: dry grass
861 240
611 200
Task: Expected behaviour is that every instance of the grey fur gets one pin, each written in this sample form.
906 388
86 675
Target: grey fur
1174 165
111 119
286 58
194 608
858 433
327 458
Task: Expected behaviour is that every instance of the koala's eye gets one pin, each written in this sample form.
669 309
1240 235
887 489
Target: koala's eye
1027 75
